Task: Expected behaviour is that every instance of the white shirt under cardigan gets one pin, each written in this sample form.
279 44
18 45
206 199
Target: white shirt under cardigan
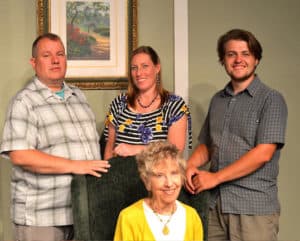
176 225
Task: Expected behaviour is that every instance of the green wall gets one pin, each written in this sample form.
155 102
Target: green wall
17 25
274 22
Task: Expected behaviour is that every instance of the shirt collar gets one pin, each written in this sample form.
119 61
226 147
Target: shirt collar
251 88
47 93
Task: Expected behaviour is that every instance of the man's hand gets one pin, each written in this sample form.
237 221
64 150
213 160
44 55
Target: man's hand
191 172
204 180
91 167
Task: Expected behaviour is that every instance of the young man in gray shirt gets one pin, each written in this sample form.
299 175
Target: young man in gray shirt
242 136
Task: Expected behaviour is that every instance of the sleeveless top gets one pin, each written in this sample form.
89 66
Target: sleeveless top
143 128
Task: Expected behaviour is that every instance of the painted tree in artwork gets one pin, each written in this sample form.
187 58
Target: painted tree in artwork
88 30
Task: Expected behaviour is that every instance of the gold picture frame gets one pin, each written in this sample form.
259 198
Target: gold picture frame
90 70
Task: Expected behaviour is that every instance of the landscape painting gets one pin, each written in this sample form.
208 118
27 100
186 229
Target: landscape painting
88 30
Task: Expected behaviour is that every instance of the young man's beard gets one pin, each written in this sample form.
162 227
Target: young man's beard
243 78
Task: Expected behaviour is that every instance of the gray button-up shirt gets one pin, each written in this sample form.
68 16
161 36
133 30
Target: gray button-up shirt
39 119
234 125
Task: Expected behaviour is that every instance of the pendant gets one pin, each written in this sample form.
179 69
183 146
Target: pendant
166 230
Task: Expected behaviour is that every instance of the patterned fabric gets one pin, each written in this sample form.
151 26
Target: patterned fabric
39 119
141 129
234 125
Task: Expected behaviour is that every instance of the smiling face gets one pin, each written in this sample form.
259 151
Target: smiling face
50 63
165 183
239 62
144 72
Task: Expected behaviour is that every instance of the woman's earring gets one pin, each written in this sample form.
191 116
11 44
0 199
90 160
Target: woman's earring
157 79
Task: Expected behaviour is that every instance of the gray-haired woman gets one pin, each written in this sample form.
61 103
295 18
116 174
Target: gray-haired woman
160 216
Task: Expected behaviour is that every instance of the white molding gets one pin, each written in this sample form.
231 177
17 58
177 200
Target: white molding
181 53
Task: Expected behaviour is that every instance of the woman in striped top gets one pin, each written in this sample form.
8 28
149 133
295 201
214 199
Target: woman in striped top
147 112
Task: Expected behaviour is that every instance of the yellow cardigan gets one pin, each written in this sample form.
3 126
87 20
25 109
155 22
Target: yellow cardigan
132 224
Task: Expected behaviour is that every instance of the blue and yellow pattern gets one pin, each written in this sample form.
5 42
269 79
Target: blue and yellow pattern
134 128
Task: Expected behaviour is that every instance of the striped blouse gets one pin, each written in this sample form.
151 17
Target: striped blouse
141 129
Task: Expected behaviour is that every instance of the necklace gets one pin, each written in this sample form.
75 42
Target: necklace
165 229
146 106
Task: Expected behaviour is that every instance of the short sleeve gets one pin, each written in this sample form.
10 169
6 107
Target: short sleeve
174 109
20 128
273 120
117 105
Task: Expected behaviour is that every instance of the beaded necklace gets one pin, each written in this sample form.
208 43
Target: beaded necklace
146 106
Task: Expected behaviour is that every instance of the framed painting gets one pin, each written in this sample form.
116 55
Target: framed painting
99 36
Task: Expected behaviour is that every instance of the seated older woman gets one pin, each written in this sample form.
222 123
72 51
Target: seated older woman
160 216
